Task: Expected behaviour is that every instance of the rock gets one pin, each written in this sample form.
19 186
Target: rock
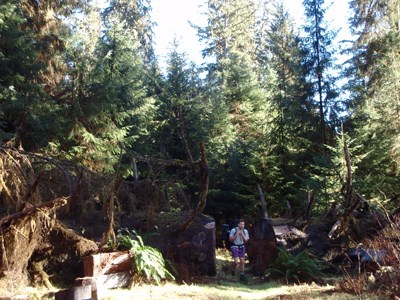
367 255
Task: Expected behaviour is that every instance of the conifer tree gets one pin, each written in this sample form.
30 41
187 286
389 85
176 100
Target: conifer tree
240 106
32 47
294 122
108 101
138 23
373 84
181 110
320 63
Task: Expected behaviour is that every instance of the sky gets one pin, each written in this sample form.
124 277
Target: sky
172 18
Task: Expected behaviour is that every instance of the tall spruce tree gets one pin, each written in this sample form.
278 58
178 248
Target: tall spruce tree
321 65
138 23
241 110
294 122
320 62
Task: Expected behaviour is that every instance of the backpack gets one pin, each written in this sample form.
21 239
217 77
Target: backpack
227 230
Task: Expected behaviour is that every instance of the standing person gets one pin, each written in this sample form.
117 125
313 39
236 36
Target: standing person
238 236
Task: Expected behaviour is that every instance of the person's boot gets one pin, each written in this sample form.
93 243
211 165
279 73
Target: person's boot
242 277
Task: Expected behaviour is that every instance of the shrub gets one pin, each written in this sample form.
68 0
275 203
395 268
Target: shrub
381 276
295 268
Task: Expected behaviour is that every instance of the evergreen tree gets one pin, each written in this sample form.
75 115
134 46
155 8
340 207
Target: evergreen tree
229 40
374 87
138 23
320 64
294 122
32 45
106 95
241 110
18 68
181 109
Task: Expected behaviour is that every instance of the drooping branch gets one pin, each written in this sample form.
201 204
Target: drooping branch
40 157
155 166
160 161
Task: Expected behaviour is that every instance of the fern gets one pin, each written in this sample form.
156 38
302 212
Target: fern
295 268
148 262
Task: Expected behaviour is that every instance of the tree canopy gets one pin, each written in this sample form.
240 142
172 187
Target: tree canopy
82 83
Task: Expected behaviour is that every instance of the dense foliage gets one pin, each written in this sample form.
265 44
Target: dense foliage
81 83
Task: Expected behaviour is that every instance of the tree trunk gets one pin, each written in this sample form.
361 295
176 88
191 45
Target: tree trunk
135 170
310 202
263 203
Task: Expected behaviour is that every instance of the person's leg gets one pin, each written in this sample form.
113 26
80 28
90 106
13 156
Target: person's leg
241 263
235 256
241 259
235 265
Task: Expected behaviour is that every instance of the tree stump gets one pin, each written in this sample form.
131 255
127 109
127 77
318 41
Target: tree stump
195 255
262 246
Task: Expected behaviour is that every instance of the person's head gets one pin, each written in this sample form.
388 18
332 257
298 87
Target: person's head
241 223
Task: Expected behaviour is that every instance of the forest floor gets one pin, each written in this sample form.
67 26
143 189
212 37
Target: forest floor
226 286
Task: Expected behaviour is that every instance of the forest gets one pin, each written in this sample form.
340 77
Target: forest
274 124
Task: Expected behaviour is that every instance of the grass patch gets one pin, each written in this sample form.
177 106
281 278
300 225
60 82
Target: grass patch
224 286
229 291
